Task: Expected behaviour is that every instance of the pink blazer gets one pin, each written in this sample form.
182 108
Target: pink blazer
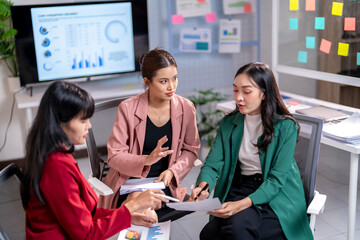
126 143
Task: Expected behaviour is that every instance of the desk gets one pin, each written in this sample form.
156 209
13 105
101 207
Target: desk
99 92
354 151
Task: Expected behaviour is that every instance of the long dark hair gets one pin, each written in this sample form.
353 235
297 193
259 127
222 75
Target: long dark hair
154 60
272 107
61 102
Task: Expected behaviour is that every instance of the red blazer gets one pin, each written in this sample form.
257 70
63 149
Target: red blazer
70 211
126 143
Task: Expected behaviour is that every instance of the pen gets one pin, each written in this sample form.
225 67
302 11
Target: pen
169 198
203 188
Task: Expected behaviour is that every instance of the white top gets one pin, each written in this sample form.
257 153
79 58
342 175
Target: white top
248 154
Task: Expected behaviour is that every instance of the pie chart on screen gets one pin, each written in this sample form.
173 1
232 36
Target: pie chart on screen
115 30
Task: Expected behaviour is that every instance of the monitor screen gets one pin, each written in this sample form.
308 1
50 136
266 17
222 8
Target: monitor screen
75 40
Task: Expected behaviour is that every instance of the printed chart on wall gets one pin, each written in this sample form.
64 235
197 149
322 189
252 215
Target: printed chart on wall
322 35
83 40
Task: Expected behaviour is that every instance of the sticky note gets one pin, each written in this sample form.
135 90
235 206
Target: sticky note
293 23
210 17
248 8
349 24
293 102
201 1
302 57
343 49
319 23
310 5
177 19
294 5
337 8
358 58
325 46
310 42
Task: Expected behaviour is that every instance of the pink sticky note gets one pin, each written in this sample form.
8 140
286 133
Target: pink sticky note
201 1
247 8
349 24
325 46
177 19
310 5
210 17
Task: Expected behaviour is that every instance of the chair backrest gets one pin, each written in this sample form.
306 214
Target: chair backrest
307 152
12 217
102 122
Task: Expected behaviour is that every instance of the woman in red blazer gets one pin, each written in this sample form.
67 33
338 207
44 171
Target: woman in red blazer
59 202
154 133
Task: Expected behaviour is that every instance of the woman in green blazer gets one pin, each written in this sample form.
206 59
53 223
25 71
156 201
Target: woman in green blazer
251 164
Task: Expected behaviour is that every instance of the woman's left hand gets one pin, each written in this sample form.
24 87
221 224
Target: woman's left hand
231 208
166 177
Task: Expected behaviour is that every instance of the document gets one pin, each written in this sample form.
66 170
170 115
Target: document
159 231
141 184
193 8
209 204
229 36
195 40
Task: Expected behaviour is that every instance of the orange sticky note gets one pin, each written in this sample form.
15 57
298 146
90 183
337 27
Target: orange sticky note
343 49
294 5
325 46
247 8
210 17
310 5
177 19
349 24
337 8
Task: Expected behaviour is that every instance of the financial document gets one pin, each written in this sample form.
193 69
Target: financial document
209 204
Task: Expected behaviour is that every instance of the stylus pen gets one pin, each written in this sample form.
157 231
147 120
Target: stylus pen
203 188
169 198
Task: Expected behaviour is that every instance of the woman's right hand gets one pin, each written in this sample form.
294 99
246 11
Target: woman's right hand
148 199
203 195
158 152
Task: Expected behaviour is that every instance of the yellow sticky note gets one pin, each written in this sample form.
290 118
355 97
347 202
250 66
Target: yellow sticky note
337 8
343 49
294 5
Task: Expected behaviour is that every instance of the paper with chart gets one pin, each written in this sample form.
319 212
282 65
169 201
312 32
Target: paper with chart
237 7
159 231
140 184
209 204
193 8
195 40
229 36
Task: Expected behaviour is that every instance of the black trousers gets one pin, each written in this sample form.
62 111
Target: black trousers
251 223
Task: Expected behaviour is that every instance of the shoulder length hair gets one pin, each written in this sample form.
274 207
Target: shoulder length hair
272 107
61 102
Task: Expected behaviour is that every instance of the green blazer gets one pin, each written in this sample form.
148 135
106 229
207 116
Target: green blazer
282 187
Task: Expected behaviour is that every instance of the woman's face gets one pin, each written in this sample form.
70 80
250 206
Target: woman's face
247 95
163 84
77 129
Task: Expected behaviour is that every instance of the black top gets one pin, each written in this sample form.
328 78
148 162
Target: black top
152 135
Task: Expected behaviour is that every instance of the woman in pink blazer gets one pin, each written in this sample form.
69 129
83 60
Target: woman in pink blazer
154 133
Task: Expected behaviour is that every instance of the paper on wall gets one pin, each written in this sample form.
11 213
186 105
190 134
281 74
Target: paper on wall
229 36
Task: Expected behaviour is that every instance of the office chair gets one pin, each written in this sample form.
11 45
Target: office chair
306 156
102 122
12 214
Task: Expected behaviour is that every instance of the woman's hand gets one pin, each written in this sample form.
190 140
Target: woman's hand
143 219
231 208
148 199
203 195
166 177
159 152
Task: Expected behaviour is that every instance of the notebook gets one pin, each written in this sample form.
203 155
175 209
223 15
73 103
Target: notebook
327 114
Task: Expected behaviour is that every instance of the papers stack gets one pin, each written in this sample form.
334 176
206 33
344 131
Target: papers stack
141 184
347 131
209 204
